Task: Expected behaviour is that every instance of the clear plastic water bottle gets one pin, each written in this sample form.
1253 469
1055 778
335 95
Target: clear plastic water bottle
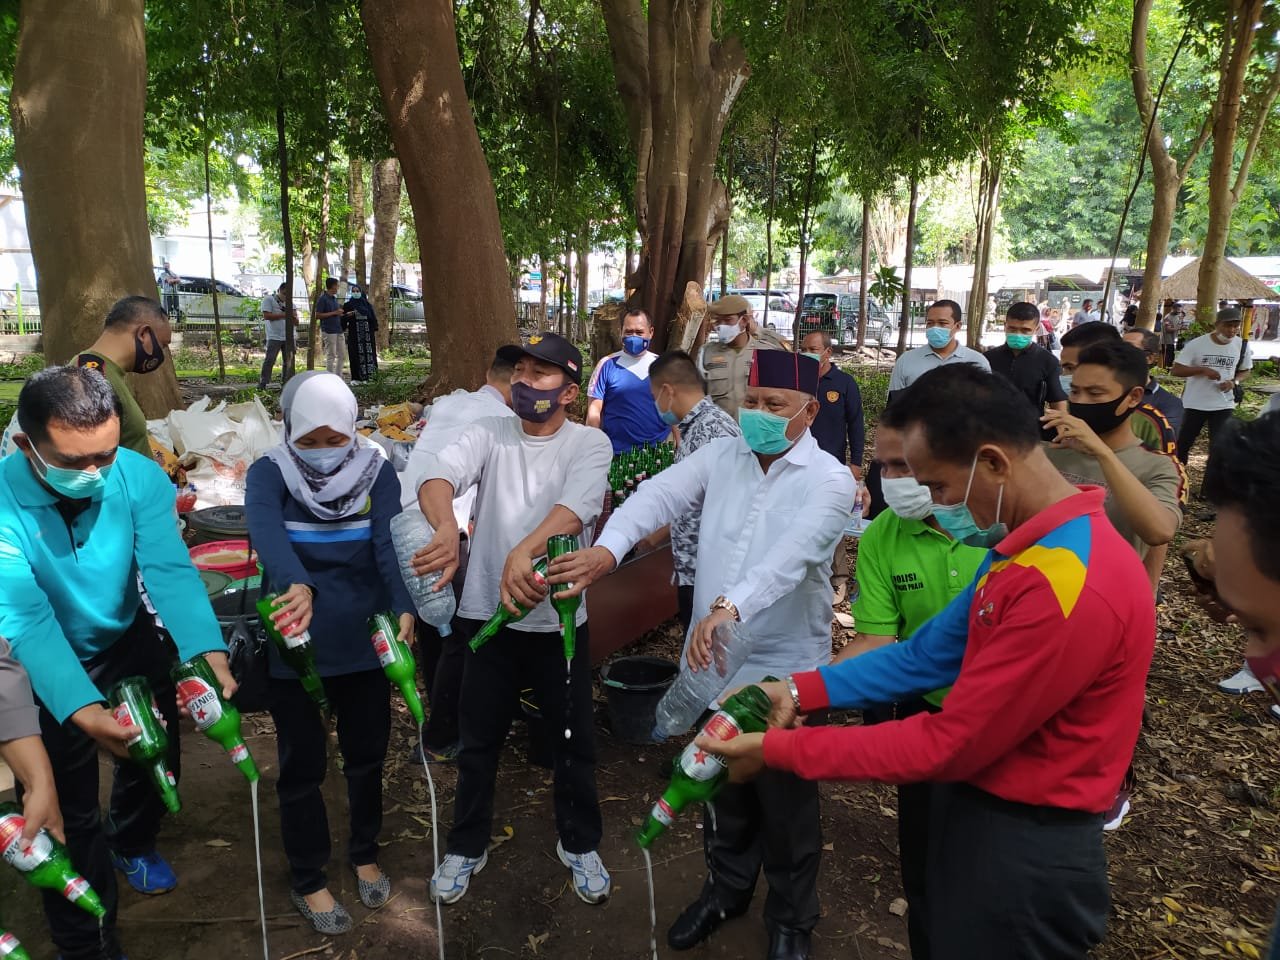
410 532
691 694
852 528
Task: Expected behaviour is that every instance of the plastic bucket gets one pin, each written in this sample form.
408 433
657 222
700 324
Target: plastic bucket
633 686
231 557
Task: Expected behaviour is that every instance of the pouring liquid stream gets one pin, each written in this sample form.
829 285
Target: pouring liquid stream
653 910
257 851
435 835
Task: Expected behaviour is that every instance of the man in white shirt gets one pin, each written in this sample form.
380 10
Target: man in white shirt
276 311
539 474
443 658
773 505
1213 364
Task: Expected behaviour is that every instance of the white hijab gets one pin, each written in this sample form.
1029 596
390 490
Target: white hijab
324 400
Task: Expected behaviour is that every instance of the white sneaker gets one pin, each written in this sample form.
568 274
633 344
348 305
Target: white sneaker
591 880
1242 681
450 881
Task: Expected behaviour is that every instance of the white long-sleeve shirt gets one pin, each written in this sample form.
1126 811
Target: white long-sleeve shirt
521 478
446 419
765 542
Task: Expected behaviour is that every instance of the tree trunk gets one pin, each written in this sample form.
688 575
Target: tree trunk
677 85
905 325
386 218
989 174
1226 181
863 303
82 172
356 197
414 48
213 276
768 223
629 265
584 282
543 280
806 216
322 257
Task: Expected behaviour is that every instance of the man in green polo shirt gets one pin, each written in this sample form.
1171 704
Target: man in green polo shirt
908 570
133 340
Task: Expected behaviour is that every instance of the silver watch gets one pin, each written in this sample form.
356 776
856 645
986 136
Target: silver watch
795 692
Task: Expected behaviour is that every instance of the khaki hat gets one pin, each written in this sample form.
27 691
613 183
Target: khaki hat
729 306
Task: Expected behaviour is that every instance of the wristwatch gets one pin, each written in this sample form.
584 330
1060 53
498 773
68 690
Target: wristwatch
795 692
724 603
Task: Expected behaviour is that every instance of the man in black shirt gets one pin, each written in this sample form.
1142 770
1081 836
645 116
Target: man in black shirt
1167 403
1033 369
839 430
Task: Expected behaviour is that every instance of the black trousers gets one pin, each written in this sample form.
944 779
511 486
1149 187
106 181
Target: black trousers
684 606
913 834
491 684
1008 881
1193 421
443 660
362 704
269 361
136 809
771 823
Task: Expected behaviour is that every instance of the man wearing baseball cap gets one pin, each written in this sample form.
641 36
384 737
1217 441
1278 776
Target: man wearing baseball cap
773 504
538 474
726 356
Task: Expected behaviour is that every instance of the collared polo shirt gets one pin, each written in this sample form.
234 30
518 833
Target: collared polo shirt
630 417
908 572
69 584
1048 650
1034 371
915 363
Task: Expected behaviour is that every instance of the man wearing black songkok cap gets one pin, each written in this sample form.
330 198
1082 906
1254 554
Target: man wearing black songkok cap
772 504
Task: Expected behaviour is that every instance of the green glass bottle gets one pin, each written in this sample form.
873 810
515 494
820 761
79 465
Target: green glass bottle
217 719
397 661
697 776
295 650
133 704
502 616
44 862
11 948
566 607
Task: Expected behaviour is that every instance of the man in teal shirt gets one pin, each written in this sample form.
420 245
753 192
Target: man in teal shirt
908 570
80 519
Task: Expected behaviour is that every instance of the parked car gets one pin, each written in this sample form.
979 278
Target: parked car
195 302
406 305
837 314
782 312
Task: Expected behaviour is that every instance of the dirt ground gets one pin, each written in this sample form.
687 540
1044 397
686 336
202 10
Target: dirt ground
1195 869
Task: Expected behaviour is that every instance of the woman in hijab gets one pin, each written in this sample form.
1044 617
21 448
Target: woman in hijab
319 508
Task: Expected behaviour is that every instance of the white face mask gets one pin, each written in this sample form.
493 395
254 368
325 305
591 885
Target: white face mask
728 332
907 498
325 460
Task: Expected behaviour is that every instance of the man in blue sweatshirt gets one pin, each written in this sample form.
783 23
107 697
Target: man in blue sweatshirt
80 519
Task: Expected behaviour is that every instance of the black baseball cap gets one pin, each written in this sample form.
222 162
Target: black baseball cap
550 347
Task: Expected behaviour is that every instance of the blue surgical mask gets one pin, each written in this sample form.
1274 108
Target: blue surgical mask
765 432
74 484
667 416
1065 380
816 357
634 346
325 460
957 519
1018 341
938 337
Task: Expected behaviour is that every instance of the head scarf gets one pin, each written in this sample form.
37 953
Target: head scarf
323 400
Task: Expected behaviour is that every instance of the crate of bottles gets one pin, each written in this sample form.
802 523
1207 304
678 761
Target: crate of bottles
630 469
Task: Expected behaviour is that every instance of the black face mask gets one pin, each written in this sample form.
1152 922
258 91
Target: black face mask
1101 418
144 360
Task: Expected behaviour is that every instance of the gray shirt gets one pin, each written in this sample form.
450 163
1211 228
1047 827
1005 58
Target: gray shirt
914 364
275 328
18 714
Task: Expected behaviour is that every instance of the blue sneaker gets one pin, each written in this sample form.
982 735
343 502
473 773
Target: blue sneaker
591 880
453 876
149 874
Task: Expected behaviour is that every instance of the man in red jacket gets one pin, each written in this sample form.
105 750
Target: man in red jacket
1048 651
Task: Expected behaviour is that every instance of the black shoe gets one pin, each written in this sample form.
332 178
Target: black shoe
701 919
787 943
